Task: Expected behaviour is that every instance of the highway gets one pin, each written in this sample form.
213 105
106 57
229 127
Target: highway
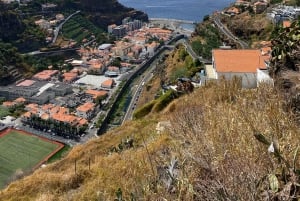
137 91
227 32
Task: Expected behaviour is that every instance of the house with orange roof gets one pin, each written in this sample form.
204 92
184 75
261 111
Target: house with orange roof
86 110
65 118
16 102
152 47
31 106
248 65
9 104
20 100
95 93
232 11
70 77
260 7
242 3
108 84
45 75
96 65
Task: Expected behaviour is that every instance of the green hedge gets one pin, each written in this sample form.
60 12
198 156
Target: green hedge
143 111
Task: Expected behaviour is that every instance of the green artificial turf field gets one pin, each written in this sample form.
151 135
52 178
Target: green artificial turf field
21 152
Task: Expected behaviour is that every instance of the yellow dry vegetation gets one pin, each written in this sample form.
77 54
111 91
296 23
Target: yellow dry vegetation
211 149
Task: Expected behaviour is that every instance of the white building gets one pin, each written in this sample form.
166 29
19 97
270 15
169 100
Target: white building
86 110
249 65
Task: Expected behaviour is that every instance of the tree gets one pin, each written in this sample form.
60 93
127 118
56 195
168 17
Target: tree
206 18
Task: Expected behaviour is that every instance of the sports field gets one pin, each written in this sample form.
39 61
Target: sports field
22 151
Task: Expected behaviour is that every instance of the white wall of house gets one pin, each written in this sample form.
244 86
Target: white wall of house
264 77
249 80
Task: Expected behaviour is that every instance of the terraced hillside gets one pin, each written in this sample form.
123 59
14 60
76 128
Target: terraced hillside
79 28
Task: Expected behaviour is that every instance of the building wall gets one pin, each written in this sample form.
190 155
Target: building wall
249 80
263 77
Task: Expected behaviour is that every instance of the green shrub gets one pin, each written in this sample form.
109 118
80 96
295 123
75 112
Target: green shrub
143 111
164 100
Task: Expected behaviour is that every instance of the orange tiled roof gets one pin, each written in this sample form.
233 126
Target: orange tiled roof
27 114
70 76
45 74
96 93
64 118
32 106
86 107
20 100
59 110
8 103
45 116
82 121
240 61
233 10
47 107
108 83
26 83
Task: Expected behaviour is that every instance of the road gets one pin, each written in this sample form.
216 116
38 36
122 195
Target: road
38 52
137 91
191 52
57 29
227 32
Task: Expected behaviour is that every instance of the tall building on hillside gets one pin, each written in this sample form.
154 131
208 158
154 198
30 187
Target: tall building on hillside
119 31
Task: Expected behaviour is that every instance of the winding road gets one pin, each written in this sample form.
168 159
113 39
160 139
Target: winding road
57 29
227 32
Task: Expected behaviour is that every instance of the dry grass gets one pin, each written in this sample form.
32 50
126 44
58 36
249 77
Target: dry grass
209 153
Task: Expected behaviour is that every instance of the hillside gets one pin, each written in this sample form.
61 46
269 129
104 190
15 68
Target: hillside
216 147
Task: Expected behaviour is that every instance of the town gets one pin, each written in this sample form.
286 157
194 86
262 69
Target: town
69 103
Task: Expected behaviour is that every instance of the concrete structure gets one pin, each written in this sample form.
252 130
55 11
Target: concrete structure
108 84
119 31
263 77
35 91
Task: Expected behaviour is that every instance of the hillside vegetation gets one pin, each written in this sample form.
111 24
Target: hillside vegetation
214 147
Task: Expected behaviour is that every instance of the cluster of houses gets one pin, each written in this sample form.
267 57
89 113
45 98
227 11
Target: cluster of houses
136 46
284 15
49 25
280 14
52 117
258 6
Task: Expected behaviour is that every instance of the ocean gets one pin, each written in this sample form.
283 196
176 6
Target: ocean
192 10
